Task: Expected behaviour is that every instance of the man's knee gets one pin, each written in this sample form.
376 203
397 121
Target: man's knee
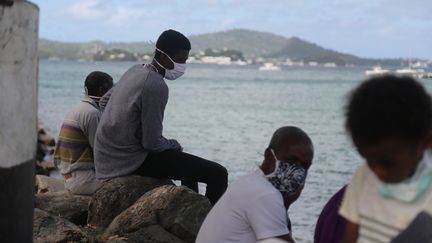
220 174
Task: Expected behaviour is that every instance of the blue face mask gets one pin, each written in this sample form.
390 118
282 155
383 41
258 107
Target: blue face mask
412 188
287 178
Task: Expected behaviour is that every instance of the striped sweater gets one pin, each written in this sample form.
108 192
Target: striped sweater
75 141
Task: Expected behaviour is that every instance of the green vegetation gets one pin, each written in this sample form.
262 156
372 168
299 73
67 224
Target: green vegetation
115 55
233 54
239 44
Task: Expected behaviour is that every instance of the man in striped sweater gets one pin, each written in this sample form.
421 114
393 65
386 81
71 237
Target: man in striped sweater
74 150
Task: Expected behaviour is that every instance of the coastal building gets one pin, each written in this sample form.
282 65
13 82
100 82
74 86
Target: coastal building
216 60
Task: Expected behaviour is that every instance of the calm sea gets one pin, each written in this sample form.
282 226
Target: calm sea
228 113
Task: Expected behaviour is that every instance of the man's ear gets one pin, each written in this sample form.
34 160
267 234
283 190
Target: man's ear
268 155
165 61
269 163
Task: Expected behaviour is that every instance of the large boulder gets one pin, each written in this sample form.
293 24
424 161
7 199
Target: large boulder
151 234
64 204
49 228
46 184
178 210
117 195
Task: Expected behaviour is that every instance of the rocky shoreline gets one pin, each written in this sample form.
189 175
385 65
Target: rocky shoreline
125 209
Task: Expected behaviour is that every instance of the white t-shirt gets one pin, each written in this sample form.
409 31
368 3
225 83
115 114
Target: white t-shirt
250 210
379 219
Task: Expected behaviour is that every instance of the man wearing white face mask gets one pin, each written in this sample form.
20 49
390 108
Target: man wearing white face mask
129 138
254 208
74 149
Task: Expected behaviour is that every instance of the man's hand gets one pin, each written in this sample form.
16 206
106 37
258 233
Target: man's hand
176 145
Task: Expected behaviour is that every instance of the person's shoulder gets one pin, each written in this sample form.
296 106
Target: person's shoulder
86 110
364 174
257 186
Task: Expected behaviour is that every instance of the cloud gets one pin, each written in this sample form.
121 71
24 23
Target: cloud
348 25
104 12
86 10
122 16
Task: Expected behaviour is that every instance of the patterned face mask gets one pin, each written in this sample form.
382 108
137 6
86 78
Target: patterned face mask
288 178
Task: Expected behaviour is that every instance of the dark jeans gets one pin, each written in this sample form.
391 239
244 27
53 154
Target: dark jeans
189 169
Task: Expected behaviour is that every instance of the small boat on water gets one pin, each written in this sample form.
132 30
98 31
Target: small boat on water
412 72
268 66
377 71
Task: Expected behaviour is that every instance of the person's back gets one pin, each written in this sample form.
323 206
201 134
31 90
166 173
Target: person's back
390 121
122 136
74 150
236 215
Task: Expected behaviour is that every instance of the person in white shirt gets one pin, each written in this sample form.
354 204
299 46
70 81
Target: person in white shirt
254 208
390 121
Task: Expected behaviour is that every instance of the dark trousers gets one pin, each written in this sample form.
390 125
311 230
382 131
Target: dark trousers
190 169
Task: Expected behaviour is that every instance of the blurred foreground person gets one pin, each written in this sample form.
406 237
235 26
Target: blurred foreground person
389 198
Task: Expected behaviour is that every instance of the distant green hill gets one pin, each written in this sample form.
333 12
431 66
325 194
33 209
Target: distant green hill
252 44
86 50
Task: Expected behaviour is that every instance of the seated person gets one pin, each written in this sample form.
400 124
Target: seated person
390 122
130 138
74 150
255 206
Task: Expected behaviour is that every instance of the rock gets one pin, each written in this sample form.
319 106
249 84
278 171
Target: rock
48 184
117 195
45 149
47 165
48 228
178 210
152 234
44 138
64 204
185 215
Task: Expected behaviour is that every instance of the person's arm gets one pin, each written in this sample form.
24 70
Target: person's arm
153 102
351 233
287 238
281 239
267 217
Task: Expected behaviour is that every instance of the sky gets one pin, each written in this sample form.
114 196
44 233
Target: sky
366 28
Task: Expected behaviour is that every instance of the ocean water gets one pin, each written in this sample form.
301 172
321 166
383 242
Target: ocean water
228 113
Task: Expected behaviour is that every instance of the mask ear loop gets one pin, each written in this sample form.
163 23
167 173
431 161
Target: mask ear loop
165 55
91 96
274 155
276 164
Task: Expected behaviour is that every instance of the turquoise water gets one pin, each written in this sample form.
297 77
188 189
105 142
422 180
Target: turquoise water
228 113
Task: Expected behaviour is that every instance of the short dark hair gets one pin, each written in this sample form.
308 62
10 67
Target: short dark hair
388 107
171 41
95 80
288 132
